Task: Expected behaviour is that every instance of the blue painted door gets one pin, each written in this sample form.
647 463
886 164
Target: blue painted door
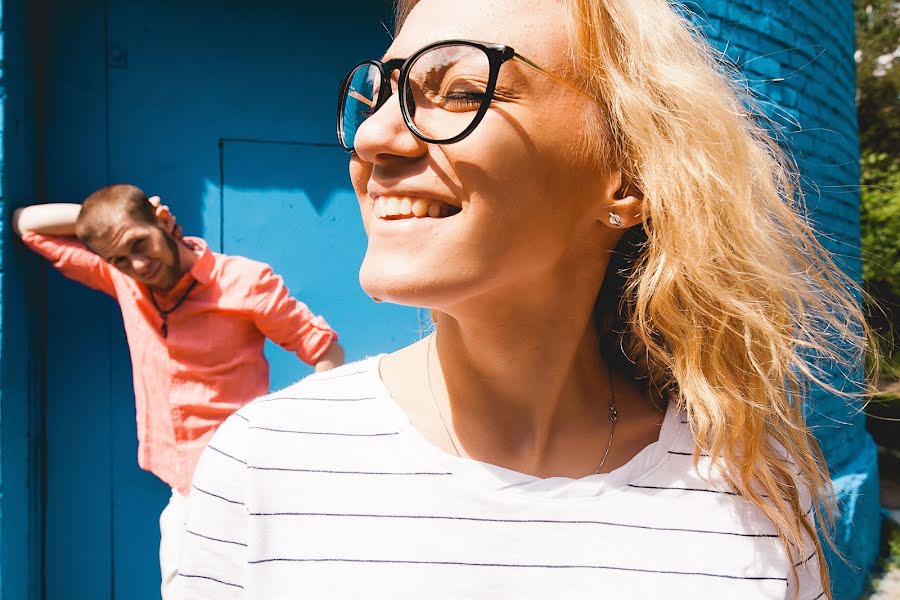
226 109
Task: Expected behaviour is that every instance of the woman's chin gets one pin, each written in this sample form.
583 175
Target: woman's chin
404 284
394 288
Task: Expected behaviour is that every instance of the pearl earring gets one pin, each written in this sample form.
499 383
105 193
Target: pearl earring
615 219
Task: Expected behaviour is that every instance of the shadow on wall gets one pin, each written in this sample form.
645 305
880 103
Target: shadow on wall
291 205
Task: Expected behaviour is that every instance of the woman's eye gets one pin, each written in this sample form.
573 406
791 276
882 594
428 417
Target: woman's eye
462 100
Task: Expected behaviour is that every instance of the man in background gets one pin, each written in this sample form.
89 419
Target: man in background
196 322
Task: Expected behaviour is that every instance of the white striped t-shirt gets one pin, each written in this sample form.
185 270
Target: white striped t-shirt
324 490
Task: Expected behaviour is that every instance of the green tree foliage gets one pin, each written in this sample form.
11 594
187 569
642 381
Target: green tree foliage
878 105
878 75
880 212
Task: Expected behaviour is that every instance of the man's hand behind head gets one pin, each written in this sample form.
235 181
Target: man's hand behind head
166 218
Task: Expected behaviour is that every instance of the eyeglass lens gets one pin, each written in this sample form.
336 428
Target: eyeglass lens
444 91
358 102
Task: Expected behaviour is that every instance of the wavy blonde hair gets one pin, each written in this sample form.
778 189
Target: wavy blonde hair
724 297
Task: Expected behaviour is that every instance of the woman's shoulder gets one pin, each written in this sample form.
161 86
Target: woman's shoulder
343 390
700 495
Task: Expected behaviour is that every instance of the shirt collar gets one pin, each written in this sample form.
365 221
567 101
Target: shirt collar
202 270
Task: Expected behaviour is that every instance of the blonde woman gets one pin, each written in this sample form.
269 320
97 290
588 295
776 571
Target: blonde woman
624 298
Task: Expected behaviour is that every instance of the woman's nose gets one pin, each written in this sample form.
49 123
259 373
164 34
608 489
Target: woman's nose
385 134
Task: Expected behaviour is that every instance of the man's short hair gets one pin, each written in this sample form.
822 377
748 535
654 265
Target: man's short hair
107 206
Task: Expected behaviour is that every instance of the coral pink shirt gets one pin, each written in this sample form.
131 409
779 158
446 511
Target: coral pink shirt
212 362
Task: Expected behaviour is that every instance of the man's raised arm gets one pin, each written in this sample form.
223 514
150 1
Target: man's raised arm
46 219
49 230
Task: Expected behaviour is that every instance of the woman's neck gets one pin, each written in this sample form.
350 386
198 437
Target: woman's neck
521 383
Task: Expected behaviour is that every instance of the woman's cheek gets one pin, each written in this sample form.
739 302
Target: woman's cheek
360 172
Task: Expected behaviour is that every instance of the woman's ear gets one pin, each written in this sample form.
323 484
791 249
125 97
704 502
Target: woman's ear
623 203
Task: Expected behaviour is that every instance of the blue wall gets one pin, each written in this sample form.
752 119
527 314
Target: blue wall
798 58
226 108
20 429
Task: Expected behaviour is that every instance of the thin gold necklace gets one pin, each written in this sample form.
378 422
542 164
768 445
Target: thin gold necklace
613 410
433 397
613 417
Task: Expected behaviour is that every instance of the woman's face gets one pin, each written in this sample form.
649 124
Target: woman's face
524 205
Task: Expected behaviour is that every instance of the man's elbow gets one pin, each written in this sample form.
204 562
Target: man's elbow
17 222
333 357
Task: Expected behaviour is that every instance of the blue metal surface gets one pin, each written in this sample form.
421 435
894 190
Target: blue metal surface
157 86
19 474
184 100
78 322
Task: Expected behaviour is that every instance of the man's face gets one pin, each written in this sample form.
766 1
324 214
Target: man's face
143 251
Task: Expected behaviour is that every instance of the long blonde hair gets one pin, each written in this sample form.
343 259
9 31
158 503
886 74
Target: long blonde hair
725 297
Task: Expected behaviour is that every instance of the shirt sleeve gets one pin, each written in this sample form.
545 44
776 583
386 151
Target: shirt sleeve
73 259
287 321
213 561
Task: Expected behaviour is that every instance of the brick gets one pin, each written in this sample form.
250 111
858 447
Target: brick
775 39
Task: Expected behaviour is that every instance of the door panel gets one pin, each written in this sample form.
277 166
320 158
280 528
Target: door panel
178 80
77 551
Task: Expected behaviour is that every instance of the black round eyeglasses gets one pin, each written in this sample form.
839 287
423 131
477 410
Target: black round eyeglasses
445 89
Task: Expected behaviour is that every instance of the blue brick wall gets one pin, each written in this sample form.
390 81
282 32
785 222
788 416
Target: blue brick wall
797 56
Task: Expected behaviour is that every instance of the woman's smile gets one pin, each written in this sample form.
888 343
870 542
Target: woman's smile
391 208
405 218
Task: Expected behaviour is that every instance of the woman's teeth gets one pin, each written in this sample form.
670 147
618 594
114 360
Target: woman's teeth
389 207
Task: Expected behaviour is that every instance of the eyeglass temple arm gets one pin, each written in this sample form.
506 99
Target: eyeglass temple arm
555 78
357 96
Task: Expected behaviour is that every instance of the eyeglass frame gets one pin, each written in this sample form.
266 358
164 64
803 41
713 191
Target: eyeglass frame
497 55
